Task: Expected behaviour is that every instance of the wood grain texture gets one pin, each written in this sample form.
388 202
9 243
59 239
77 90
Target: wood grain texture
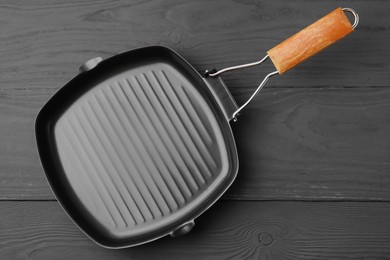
230 230
298 143
315 144
310 41
42 43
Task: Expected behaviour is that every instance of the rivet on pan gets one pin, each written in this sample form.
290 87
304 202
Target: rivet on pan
90 64
183 229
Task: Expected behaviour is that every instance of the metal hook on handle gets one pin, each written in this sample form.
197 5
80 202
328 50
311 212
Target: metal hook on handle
355 15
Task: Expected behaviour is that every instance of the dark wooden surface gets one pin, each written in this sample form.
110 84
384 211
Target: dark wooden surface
229 230
314 179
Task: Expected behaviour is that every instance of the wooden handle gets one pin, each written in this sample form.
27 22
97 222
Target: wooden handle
310 40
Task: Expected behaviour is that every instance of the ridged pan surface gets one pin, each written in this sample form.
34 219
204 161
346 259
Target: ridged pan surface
138 149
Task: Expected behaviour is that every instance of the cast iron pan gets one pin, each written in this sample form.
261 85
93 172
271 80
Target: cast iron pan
137 146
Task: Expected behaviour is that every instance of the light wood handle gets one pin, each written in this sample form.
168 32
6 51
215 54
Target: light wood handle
311 40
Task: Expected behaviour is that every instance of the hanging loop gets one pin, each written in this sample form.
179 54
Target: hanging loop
355 15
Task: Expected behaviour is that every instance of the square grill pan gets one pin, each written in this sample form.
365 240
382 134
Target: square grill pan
137 147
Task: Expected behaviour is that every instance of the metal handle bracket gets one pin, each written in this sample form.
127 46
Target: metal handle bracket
215 73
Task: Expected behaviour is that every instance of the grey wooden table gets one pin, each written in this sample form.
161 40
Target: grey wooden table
314 147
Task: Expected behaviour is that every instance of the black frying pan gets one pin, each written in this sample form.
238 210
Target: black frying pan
137 146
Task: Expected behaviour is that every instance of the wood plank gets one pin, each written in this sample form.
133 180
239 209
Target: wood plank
42 43
314 144
298 143
21 175
229 230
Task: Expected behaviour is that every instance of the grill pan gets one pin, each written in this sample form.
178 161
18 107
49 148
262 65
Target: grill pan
137 146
